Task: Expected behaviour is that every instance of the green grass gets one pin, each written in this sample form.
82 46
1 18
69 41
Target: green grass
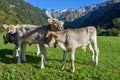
107 69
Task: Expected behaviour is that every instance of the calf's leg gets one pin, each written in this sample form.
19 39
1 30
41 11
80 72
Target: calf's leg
92 53
18 53
72 58
64 59
96 50
23 48
38 49
14 52
43 53
19 56
96 54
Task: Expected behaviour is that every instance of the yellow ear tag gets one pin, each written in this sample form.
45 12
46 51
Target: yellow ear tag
55 37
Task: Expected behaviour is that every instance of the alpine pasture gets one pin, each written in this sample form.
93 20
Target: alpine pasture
108 67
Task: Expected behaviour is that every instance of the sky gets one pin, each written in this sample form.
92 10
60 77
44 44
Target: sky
62 4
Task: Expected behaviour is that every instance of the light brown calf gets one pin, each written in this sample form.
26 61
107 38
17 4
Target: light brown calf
71 39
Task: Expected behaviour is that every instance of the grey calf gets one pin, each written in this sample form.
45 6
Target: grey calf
34 35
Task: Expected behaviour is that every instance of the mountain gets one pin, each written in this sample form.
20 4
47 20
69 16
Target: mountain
102 17
97 15
71 14
21 12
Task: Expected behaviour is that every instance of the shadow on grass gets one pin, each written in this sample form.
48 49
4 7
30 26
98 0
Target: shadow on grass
6 56
58 60
4 52
32 59
49 60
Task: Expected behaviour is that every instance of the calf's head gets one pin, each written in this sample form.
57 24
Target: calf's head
10 28
6 38
56 24
50 39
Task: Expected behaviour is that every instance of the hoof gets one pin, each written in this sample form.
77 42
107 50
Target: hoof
24 60
38 54
42 67
94 64
72 71
62 68
18 63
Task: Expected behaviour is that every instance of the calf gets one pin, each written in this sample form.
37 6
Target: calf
71 39
34 35
12 38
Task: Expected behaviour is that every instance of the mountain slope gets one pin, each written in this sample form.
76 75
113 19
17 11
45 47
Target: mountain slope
103 16
20 12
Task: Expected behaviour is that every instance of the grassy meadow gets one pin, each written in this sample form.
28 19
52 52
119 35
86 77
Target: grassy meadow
108 67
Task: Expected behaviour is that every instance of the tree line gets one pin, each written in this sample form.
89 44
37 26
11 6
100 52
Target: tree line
114 31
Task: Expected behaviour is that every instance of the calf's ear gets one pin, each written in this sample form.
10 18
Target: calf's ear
62 23
5 26
55 37
50 21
